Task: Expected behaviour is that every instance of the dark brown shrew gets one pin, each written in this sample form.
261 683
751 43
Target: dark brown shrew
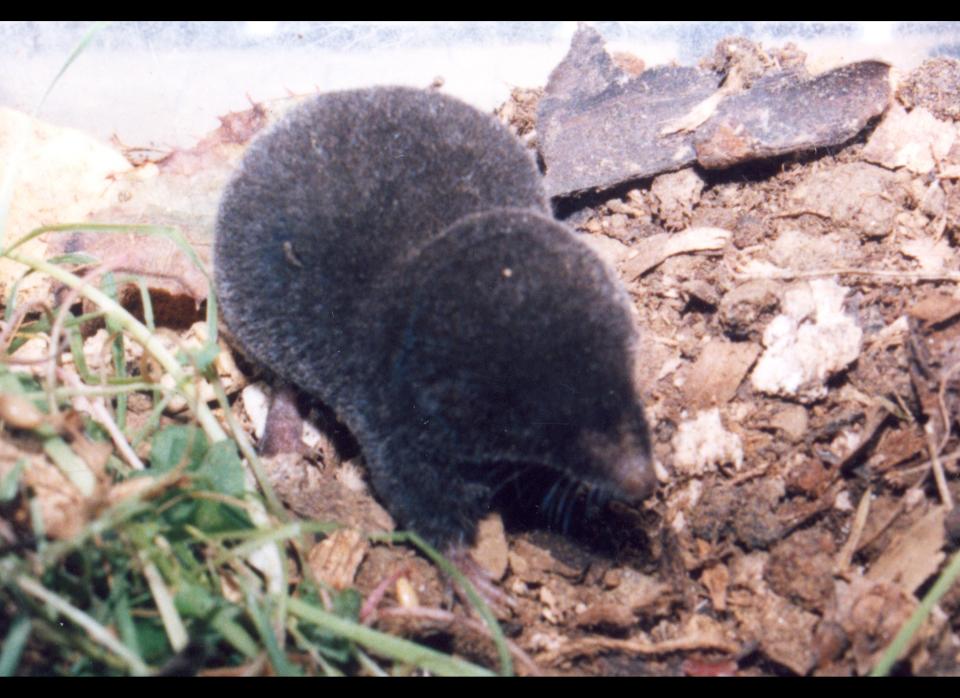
391 251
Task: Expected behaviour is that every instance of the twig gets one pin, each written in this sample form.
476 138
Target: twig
942 399
937 468
852 543
893 516
590 646
96 409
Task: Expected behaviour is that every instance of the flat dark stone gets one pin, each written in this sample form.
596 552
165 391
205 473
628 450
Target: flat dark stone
598 127
785 113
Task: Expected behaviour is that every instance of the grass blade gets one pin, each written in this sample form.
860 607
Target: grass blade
13 645
902 640
385 645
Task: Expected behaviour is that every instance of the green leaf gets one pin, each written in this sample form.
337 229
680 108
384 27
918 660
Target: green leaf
12 383
233 632
142 533
10 484
194 601
152 639
280 663
179 515
215 517
108 285
206 355
124 621
175 444
382 643
222 469
74 258
347 604
71 465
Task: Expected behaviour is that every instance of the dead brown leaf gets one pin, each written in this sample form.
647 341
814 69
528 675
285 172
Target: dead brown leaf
718 372
913 555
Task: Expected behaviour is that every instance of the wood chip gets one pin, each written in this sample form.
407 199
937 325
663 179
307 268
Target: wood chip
490 550
335 559
657 248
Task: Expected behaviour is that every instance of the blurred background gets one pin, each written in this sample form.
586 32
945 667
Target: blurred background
163 84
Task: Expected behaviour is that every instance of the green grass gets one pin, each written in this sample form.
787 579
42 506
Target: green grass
139 590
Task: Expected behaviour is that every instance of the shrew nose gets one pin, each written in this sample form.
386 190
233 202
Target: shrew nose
635 477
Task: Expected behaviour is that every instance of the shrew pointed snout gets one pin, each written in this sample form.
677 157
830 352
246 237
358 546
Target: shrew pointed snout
634 476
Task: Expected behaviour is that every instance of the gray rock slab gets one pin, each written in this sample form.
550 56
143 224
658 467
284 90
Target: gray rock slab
599 127
785 113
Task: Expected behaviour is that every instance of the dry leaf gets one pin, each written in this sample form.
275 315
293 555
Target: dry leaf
936 308
62 176
913 555
718 371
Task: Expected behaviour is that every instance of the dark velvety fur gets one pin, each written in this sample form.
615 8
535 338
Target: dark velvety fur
389 250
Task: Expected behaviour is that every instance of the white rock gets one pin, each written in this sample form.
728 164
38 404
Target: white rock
702 443
916 141
256 404
812 340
